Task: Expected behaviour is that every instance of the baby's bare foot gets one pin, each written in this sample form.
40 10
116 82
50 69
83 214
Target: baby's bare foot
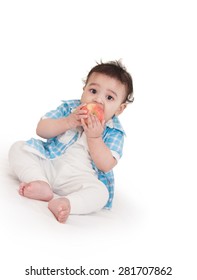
60 207
39 190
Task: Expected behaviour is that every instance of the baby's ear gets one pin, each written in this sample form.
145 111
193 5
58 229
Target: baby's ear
121 109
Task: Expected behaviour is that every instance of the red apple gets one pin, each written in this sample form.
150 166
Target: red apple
95 109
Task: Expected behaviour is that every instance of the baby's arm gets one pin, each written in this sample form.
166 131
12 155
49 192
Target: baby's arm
48 128
99 152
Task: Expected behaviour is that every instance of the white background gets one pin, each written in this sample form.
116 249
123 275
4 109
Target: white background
46 49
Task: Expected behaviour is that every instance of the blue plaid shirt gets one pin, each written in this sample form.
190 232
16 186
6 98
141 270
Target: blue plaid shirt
113 137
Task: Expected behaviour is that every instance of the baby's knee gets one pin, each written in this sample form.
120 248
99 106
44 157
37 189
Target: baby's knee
103 193
15 149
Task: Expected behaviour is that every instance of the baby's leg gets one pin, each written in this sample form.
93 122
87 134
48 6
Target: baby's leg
25 165
85 194
91 198
30 170
60 207
39 190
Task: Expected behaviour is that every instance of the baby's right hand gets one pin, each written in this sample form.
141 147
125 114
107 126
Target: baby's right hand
74 119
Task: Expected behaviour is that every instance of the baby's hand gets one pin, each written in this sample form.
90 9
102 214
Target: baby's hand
93 128
75 118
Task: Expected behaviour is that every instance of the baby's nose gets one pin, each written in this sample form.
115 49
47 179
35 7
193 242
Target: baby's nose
98 99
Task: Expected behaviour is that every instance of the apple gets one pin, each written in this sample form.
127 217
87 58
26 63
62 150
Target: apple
95 109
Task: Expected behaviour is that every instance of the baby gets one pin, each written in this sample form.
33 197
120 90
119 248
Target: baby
72 168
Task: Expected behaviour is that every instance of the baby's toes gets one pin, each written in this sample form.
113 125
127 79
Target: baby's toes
21 188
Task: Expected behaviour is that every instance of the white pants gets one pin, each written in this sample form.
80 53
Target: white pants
85 192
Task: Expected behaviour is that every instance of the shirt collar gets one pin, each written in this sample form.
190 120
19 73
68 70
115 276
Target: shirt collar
115 123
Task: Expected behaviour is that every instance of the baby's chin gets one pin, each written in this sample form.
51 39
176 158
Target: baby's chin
108 118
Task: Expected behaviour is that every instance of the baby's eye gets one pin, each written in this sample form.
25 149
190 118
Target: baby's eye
92 90
109 97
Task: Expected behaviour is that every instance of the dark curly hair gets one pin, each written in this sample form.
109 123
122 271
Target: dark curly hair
117 70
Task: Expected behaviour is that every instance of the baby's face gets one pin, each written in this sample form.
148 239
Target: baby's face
106 90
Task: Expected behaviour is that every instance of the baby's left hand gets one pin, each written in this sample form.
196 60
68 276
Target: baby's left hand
93 128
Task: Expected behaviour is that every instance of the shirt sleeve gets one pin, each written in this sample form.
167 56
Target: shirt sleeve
60 112
114 142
